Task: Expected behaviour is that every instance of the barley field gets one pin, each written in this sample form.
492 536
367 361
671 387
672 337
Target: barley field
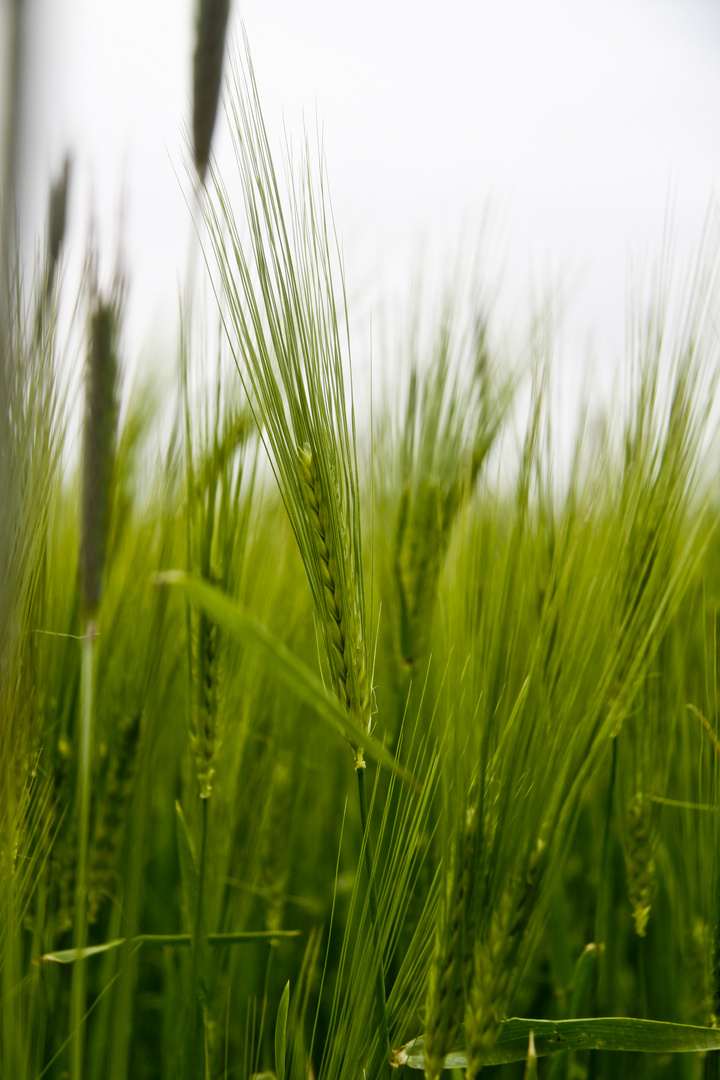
340 745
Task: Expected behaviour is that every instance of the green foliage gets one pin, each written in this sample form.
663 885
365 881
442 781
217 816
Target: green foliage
552 1037
538 833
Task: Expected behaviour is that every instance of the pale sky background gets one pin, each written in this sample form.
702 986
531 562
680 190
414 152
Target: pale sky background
572 127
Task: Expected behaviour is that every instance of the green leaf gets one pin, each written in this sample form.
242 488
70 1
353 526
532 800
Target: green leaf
280 1033
68 956
606 1033
285 666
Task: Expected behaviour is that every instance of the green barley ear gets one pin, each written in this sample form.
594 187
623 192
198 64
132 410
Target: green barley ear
644 766
288 328
112 814
63 856
440 442
288 323
347 659
702 950
204 733
101 415
219 492
451 967
640 861
98 468
64 868
497 948
211 27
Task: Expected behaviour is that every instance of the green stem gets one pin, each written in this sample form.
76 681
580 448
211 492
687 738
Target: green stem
604 902
198 952
602 912
642 960
77 991
379 973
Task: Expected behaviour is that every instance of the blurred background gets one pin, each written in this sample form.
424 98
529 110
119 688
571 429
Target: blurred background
563 141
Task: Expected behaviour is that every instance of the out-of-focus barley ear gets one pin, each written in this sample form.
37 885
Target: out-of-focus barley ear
112 814
63 855
346 651
64 874
496 950
57 218
210 31
205 734
420 549
56 224
485 1006
101 415
702 951
640 860
275 866
451 969
100 436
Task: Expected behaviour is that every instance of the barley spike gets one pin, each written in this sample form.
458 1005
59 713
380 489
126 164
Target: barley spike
207 75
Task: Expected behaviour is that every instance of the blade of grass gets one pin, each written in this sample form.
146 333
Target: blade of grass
280 1033
247 937
606 1033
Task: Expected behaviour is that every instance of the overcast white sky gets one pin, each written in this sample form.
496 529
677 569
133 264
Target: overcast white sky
576 124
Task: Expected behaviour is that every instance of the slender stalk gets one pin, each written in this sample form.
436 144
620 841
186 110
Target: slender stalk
602 912
8 935
379 973
642 966
197 971
77 993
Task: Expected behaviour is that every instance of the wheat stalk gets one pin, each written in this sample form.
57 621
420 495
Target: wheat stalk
98 462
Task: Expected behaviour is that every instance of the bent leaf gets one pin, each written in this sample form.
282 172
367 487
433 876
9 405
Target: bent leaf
68 956
585 971
286 667
606 1033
